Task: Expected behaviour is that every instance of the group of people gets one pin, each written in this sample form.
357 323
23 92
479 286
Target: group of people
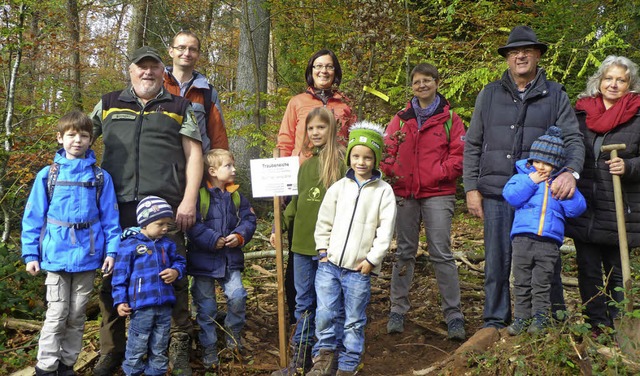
531 168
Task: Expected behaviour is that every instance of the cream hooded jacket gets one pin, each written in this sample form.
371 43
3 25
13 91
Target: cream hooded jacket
356 222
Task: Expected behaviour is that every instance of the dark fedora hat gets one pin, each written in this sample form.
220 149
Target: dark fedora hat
522 36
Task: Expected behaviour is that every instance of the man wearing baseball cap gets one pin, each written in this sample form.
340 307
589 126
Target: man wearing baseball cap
509 115
152 147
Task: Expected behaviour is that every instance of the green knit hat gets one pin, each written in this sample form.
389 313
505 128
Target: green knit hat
368 134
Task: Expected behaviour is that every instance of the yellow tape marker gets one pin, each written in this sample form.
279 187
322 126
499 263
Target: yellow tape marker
375 92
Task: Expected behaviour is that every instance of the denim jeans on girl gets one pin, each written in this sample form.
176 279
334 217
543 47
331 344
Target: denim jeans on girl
148 335
338 289
304 276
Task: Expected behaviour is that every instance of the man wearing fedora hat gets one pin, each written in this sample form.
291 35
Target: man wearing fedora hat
152 147
509 115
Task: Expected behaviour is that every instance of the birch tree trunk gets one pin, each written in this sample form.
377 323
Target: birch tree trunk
251 78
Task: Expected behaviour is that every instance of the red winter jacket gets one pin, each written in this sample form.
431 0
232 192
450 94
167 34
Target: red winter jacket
424 162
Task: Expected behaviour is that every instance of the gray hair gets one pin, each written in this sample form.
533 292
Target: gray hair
631 69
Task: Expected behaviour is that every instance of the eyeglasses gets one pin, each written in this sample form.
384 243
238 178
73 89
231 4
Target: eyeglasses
320 67
517 51
193 50
424 81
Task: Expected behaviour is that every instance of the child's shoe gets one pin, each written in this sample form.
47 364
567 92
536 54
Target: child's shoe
396 323
41 372
455 330
210 358
345 373
539 324
300 363
518 326
65 370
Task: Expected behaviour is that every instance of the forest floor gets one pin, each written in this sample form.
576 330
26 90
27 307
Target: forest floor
423 348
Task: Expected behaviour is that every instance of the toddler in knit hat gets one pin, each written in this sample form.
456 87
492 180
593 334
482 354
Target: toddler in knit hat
538 230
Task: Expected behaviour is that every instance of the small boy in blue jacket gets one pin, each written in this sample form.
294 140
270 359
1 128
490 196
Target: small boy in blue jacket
538 229
225 222
146 265
70 228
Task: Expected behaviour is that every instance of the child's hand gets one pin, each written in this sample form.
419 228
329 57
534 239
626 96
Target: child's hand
220 243
169 275
124 309
272 239
538 177
364 267
107 266
232 241
33 267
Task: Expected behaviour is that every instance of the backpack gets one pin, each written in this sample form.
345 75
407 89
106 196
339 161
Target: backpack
208 98
52 181
205 202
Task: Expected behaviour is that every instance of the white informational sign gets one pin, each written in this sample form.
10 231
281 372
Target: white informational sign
274 177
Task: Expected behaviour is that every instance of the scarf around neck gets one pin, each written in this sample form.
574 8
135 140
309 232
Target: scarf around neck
601 120
422 114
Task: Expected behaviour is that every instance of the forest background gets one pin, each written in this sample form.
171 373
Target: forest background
59 55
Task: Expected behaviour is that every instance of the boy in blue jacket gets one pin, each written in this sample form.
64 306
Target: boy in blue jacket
538 229
146 265
225 222
70 228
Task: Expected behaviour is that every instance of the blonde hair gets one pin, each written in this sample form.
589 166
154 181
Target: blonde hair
331 155
213 158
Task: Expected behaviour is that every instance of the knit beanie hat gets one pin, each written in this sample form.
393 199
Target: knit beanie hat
549 148
152 208
368 134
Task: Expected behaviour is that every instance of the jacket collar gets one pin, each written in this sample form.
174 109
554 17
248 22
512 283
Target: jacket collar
409 112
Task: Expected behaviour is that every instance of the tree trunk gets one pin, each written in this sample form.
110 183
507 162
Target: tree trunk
74 34
139 19
251 78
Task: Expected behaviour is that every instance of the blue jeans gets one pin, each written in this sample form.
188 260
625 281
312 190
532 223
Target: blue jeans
498 219
148 335
304 276
203 290
338 289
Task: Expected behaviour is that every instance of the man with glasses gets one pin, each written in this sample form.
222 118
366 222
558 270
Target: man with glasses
183 80
509 115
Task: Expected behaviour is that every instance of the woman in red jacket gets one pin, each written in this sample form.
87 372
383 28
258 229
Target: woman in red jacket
424 144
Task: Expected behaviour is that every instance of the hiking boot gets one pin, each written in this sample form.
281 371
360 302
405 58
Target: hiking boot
455 330
65 370
396 323
108 364
345 373
518 326
300 363
539 323
179 347
40 372
322 363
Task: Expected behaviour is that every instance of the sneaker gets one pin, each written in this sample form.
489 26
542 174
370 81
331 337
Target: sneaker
65 370
40 372
539 324
179 347
300 363
322 363
455 330
518 326
345 373
210 358
396 323
108 364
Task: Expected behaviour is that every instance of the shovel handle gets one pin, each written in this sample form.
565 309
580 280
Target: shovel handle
622 228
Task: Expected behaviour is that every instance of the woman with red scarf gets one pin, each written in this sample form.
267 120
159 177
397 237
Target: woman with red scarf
608 112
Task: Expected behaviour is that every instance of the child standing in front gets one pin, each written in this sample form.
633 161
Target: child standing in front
70 228
146 266
538 229
353 234
225 222
316 174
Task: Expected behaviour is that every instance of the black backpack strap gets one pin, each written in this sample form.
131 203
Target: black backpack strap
207 103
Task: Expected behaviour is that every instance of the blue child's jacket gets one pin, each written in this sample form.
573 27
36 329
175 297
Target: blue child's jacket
536 211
